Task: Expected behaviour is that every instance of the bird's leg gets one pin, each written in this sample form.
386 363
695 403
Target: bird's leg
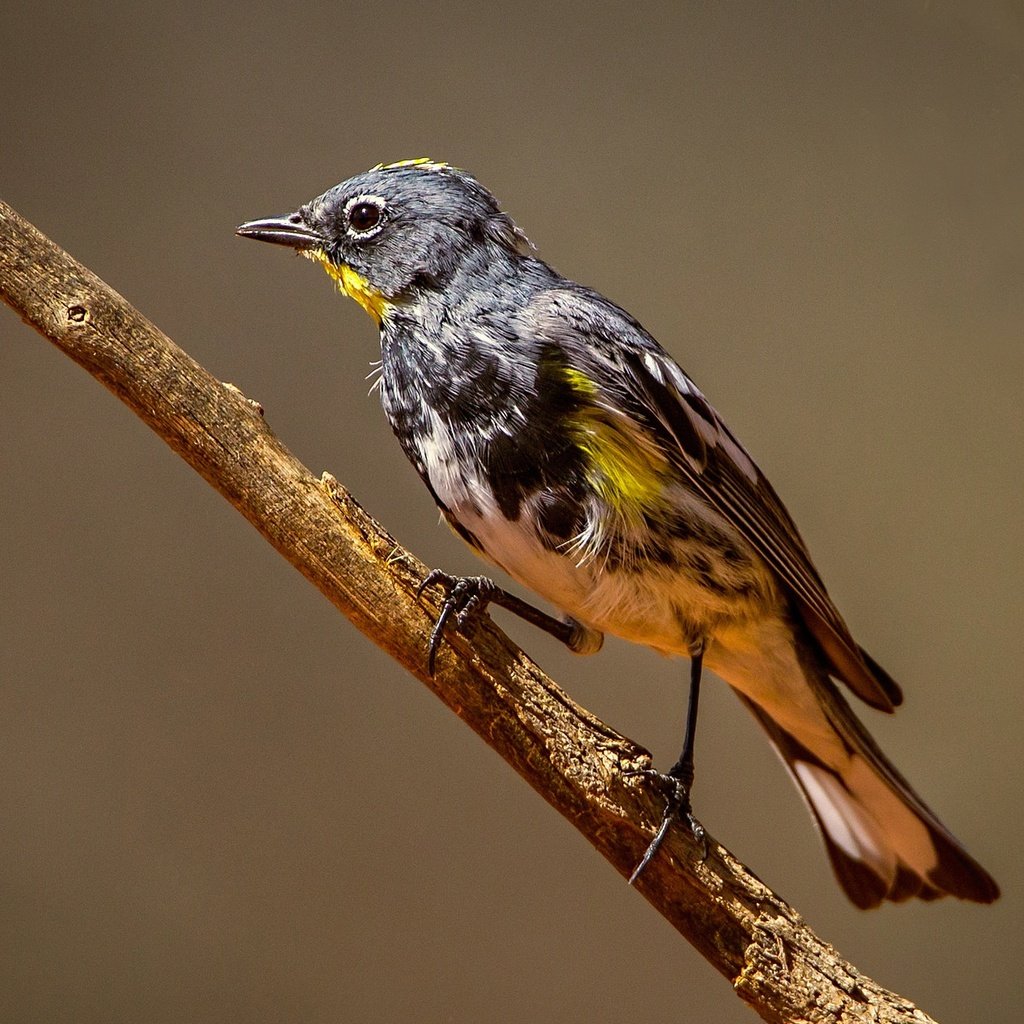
468 596
680 775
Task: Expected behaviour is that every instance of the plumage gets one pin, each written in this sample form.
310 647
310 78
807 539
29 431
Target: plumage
567 447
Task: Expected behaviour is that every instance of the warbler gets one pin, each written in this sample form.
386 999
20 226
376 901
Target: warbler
565 446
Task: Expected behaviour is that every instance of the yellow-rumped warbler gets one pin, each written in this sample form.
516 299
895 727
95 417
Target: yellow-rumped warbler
564 445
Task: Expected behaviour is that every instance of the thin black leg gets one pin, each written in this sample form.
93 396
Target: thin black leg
683 768
681 773
469 596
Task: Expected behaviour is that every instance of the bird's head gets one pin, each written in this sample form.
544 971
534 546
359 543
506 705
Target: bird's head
395 230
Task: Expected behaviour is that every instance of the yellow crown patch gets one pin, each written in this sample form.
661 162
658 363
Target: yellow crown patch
424 163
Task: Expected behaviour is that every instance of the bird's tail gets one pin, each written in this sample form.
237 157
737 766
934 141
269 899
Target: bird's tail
883 840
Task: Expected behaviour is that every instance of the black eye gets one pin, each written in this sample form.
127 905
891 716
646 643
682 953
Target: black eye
364 216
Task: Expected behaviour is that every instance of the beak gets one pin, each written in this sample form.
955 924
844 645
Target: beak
289 230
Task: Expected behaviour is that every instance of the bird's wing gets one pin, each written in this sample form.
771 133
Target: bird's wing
642 377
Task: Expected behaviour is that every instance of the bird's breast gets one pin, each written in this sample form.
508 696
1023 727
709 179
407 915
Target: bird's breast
660 569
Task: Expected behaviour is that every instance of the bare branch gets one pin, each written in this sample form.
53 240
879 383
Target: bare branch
581 767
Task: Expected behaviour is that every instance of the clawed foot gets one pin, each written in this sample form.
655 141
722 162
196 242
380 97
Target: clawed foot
677 808
466 597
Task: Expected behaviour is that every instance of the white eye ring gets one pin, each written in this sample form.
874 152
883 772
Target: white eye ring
368 200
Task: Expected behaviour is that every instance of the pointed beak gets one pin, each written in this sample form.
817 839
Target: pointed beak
289 230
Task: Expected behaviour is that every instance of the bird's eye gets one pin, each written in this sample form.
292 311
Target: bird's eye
364 216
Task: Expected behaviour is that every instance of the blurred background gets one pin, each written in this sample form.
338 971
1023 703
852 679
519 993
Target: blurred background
219 801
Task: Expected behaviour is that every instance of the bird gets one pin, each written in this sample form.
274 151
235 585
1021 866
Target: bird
569 449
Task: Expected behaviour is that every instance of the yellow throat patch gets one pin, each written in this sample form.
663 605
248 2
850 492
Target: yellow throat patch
352 284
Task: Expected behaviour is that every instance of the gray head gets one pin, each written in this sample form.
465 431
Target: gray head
397 228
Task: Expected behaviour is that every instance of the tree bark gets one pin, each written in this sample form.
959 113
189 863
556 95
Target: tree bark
587 771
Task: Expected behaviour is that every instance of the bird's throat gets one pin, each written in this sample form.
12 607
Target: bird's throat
352 284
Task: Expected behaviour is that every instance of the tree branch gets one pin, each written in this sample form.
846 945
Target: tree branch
586 771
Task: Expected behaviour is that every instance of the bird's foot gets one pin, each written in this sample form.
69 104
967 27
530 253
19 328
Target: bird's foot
677 809
465 598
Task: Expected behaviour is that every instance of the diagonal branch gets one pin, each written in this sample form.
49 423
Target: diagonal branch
588 772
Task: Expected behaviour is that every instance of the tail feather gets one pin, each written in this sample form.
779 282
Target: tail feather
882 839
889 685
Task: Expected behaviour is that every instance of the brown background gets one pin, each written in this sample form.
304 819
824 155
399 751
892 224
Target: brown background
219 803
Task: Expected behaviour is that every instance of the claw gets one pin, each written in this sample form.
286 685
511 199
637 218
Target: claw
465 597
433 577
677 807
437 632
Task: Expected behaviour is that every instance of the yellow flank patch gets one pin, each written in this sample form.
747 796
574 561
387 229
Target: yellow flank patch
625 472
580 382
352 284
626 465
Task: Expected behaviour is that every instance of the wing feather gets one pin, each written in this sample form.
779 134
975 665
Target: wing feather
725 475
616 353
